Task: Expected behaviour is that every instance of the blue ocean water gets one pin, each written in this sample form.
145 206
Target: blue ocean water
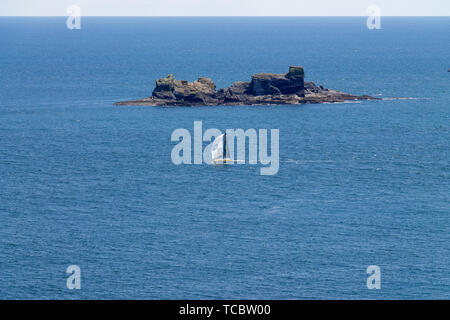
85 183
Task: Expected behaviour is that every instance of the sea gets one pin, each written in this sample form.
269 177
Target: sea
88 184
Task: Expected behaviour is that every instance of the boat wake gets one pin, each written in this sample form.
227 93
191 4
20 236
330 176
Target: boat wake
405 98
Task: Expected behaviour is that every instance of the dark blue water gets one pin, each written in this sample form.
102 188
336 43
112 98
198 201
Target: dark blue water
83 182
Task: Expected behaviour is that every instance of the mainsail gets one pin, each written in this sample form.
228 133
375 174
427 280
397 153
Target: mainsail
219 149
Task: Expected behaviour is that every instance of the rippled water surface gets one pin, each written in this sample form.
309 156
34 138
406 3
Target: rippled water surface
86 183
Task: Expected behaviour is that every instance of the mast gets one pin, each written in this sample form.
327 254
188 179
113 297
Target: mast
224 146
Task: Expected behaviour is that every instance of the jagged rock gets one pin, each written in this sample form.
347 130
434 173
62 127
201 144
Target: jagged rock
264 84
165 84
172 91
275 84
239 88
164 95
206 84
263 89
296 73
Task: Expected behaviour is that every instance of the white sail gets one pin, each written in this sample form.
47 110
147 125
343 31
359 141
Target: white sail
220 152
217 148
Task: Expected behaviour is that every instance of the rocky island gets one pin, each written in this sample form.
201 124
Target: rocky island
263 89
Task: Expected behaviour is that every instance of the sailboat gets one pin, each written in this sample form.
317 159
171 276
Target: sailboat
219 151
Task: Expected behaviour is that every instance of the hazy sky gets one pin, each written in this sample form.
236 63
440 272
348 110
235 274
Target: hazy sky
225 7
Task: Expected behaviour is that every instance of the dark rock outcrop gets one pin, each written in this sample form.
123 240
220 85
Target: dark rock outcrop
276 84
263 89
201 91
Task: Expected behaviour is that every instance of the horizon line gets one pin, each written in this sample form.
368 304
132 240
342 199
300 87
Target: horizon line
218 16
